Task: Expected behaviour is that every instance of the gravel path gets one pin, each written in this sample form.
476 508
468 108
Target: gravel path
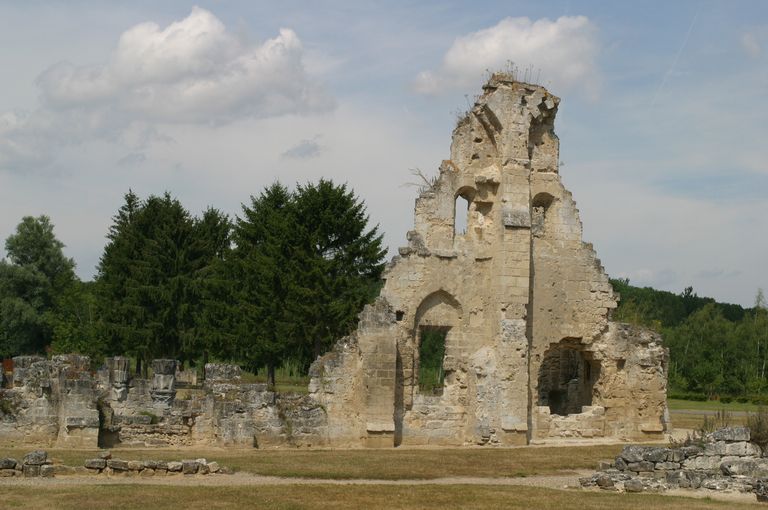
240 479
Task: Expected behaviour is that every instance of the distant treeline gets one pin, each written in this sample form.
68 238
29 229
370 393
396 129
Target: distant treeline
716 349
277 284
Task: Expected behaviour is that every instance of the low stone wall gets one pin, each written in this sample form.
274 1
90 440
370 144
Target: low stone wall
106 465
34 464
38 464
725 460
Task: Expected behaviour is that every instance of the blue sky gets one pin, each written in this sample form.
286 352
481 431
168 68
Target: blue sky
662 120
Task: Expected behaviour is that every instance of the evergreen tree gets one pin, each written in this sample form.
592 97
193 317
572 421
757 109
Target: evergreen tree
341 263
264 265
152 277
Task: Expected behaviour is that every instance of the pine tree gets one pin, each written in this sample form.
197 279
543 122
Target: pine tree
341 263
264 265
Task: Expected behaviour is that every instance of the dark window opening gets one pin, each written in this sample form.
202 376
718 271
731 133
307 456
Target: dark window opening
431 356
566 379
399 314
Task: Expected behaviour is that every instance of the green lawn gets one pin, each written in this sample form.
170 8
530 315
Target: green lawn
710 405
384 464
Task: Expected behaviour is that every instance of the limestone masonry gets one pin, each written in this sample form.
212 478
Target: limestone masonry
524 304
519 303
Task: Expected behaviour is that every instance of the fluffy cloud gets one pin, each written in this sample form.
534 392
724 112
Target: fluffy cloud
192 71
565 50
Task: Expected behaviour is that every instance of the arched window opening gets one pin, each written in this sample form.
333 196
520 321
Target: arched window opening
566 379
460 215
539 206
431 357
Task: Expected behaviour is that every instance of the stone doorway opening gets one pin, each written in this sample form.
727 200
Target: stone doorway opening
567 378
431 357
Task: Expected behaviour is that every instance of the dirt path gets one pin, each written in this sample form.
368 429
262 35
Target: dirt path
239 479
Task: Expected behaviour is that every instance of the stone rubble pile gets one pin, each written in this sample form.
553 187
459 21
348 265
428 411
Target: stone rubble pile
38 464
105 464
725 461
34 464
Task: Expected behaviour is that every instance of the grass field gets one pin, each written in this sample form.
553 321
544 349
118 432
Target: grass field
391 464
710 405
339 497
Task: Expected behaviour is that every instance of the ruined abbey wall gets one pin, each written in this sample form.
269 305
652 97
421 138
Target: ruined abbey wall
530 352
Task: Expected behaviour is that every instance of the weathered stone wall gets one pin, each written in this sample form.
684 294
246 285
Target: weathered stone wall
60 403
522 298
51 402
725 460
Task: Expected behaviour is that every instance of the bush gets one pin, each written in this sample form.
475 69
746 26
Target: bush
759 400
717 421
726 400
742 400
758 427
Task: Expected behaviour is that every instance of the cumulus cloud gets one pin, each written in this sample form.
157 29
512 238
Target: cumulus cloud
565 50
305 149
191 71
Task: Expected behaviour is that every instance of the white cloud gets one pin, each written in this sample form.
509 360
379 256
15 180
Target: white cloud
192 71
565 50
751 44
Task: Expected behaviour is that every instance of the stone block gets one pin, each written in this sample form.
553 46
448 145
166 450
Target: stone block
703 463
36 458
117 464
675 455
31 470
604 482
655 454
730 434
135 465
47 471
641 466
213 467
8 463
633 486
95 463
633 453
189 467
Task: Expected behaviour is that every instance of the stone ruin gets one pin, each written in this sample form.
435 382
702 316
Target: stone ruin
60 402
521 303
724 460
39 464
515 304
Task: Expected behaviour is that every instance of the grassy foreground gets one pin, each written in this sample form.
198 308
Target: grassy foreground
382 464
338 497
